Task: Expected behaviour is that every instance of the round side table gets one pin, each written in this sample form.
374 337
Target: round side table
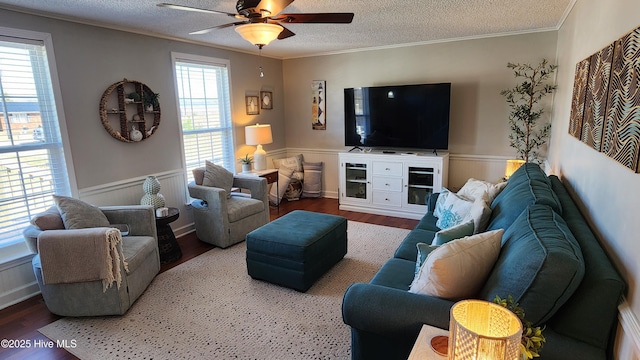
167 244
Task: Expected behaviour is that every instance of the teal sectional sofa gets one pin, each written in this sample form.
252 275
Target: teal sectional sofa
550 262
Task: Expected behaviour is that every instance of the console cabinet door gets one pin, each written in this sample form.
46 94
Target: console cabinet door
355 181
422 180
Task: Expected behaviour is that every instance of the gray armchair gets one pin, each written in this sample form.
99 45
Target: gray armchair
90 298
224 220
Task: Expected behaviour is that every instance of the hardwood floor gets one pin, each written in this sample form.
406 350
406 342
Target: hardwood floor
22 321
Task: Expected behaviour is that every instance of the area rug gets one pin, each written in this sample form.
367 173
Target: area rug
209 308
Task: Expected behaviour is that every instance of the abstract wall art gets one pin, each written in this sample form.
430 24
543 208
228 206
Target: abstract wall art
608 119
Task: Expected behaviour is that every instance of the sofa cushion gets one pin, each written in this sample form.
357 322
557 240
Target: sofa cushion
601 288
458 269
428 222
540 264
395 273
510 203
454 232
528 172
77 214
240 207
407 249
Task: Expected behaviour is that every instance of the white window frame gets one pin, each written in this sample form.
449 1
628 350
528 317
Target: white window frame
204 60
18 249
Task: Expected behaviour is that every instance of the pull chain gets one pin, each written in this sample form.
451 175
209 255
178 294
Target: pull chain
260 61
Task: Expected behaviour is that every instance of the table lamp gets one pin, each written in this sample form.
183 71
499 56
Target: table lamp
258 135
482 330
512 166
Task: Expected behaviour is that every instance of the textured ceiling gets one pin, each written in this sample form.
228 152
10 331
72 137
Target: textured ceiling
377 24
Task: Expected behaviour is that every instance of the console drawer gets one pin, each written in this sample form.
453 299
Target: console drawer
387 183
387 168
386 198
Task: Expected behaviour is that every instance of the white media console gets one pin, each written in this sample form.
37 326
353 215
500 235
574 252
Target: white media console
397 184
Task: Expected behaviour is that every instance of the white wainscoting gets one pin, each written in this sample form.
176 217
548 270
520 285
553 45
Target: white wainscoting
129 192
17 281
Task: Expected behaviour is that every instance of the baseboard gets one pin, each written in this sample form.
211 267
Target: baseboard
630 325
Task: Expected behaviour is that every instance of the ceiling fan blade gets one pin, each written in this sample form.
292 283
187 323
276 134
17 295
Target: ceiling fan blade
319 18
189 8
285 33
208 30
273 6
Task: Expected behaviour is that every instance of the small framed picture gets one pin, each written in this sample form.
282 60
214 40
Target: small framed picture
266 100
253 105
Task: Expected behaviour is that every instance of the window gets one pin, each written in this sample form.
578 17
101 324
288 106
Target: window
205 111
32 162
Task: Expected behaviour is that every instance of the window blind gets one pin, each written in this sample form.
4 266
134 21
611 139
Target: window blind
32 164
205 113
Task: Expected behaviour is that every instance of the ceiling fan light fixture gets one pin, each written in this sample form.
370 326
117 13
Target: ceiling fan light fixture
259 34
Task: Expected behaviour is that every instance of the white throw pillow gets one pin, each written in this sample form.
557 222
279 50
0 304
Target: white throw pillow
455 210
474 188
458 269
480 213
277 192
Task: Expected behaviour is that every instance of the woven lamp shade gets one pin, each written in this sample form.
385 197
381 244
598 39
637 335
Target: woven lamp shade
481 330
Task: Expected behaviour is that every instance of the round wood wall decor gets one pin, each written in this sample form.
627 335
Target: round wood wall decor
123 113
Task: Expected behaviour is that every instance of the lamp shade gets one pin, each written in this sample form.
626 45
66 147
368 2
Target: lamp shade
481 330
259 33
257 135
512 166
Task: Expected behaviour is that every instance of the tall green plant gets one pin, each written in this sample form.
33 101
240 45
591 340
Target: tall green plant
527 135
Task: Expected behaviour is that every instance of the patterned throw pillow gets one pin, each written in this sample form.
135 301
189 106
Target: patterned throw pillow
454 211
440 202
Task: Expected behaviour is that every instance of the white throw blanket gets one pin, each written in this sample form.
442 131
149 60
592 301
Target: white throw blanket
69 256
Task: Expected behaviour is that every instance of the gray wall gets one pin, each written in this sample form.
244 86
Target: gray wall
476 68
90 58
609 193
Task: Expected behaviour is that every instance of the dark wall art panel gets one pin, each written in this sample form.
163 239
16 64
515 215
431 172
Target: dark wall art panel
605 106
596 97
621 138
579 95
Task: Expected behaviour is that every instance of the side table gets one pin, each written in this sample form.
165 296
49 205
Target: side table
167 244
270 174
422 348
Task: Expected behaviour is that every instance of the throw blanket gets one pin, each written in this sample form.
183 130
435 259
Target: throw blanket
69 256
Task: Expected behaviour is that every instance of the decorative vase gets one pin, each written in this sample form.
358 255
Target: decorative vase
135 135
152 196
246 168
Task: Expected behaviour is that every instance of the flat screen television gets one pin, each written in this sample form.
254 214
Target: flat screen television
402 116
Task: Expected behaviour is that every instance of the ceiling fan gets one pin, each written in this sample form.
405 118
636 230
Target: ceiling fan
261 21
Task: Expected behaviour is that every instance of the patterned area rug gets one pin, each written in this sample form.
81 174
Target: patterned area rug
209 308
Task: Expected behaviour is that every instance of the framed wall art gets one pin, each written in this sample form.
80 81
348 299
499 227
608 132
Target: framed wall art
318 105
253 105
266 100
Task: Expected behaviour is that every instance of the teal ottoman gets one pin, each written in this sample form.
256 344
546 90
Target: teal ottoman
297 249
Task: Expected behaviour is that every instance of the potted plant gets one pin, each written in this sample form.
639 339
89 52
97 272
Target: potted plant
246 162
150 100
527 135
532 338
132 97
